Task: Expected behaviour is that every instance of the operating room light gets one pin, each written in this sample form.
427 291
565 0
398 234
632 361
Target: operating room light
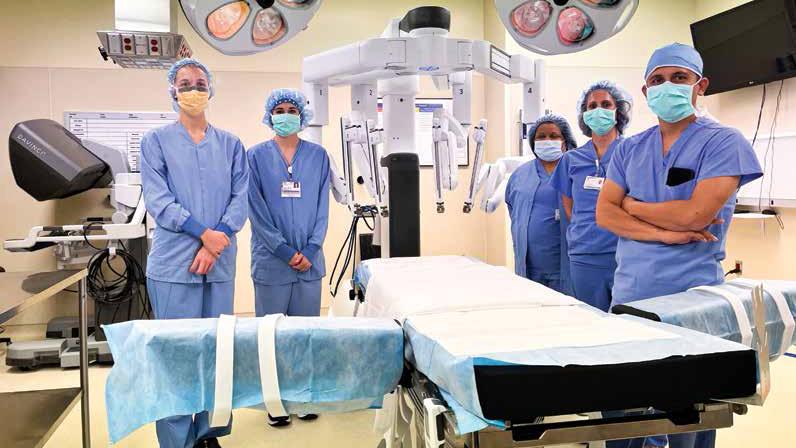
530 17
245 27
557 27
268 27
225 21
574 25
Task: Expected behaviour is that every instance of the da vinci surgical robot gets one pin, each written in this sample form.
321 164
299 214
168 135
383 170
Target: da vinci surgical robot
389 67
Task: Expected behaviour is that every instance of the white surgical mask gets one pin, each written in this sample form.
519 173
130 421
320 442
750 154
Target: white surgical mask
548 150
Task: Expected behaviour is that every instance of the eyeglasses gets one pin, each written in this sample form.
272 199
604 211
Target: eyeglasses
187 88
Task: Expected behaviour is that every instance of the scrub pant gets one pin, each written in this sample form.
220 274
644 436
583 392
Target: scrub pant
654 441
592 278
701 439
552 281
188 301
299 298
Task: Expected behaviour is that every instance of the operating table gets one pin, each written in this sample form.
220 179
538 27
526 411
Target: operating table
470 354
498 368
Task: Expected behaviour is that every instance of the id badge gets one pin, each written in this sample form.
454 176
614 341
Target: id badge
594 183
558 215
291 189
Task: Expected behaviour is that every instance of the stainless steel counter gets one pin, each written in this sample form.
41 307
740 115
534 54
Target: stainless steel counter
21 290
30 417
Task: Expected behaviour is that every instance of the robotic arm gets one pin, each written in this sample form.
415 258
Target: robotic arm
493 178
361 139
340 187
479 135
448 136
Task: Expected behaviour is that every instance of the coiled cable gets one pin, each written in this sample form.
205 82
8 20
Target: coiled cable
108 285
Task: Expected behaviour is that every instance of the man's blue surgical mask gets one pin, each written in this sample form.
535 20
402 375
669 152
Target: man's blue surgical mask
286 124
548 150
671 102
600 120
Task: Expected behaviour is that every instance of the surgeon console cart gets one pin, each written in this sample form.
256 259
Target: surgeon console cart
49 407
48 163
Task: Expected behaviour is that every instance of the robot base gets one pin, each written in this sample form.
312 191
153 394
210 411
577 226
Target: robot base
66 327
56 352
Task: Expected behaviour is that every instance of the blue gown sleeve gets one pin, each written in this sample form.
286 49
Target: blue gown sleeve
730 155
237 210
160 201
560 179
616 172
508 196
262 221
322 220
565 275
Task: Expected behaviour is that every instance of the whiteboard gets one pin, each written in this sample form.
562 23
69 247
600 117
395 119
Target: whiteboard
424 120
778 182
120 130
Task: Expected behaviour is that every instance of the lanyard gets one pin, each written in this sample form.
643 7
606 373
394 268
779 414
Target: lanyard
599 171
288 163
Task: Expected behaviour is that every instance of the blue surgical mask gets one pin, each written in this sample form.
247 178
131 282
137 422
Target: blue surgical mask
600 120
671 102
548 150
286 124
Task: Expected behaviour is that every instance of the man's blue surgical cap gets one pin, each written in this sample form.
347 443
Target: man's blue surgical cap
675 55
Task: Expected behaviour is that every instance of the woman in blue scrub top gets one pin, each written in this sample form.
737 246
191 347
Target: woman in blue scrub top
534 206
603 115
289 209
195 179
